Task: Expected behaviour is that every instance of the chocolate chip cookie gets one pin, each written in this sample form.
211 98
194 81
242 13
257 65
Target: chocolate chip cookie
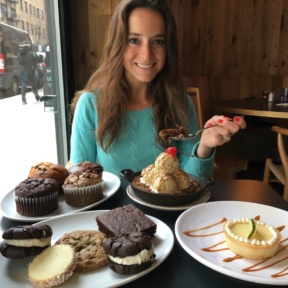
88 246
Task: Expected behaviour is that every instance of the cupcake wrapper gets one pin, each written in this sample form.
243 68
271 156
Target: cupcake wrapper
36 206
83 196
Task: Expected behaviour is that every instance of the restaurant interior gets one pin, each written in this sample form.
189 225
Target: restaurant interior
232 52
228 56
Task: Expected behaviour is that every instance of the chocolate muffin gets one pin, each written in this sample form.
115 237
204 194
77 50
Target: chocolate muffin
26 240
50 171
36 197
94 167
83 187
125 219
129 253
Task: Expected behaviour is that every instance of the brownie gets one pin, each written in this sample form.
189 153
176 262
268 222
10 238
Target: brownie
25 236
36 197
129 245
123 220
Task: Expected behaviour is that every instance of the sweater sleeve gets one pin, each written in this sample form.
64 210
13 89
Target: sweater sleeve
83 138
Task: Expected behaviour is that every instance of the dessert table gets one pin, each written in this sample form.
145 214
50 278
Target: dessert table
180 269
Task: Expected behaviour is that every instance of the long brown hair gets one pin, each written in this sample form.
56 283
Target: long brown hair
169 102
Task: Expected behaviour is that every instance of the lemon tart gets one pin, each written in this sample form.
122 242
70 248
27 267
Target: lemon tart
256 241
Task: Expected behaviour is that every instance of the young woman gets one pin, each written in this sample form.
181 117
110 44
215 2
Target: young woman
136 92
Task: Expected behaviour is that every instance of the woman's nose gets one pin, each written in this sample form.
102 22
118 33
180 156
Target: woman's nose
146 51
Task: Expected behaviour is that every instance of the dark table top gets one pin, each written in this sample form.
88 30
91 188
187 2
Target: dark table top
180 269
252 107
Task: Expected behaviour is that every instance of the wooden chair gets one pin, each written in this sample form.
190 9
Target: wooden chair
194 93
226 164
280 171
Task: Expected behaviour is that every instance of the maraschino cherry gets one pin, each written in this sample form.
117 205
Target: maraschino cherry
172 151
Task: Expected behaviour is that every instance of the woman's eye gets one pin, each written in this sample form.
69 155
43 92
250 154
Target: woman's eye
133 40
159 42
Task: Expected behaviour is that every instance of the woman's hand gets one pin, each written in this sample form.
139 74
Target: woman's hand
220 134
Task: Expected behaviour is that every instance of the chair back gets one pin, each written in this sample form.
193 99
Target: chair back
281 133
194 93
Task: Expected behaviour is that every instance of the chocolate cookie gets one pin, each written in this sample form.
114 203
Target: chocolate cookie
23 241
127 250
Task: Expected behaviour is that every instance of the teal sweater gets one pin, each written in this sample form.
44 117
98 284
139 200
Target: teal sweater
136 148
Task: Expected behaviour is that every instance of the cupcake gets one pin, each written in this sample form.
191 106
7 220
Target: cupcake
83 187
36 197
50 171
97 168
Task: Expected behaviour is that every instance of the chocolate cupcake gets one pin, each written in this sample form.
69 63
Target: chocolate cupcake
129 253
83 187
36 197
50 171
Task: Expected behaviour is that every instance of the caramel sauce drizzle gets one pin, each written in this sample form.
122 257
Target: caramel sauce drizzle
189 232
252 268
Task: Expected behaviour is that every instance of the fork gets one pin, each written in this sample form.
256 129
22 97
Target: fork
191 135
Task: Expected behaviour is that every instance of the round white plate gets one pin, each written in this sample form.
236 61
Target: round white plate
204 197
13 273
209 213
8 207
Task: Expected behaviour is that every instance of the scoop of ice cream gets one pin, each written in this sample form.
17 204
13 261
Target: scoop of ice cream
165 183
148 174
166 163
182 179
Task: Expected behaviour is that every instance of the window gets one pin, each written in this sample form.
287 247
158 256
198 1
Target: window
4 10
13 13
38 128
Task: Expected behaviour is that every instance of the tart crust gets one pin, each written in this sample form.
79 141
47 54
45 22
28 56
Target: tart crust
263 244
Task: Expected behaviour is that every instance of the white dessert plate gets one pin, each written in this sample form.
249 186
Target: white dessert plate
206 214
8 207
13 273
204 197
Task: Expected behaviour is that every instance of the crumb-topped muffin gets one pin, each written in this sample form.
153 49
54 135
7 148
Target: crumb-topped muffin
36 197
97 168
83 187
259 243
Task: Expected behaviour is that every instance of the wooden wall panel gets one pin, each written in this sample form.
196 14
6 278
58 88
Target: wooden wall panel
229 48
